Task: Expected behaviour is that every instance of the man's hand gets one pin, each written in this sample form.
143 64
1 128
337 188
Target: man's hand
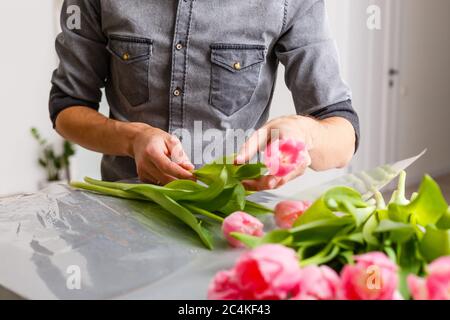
330 144
160 157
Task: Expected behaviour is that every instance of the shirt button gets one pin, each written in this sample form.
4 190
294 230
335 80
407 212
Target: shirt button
237 66
179 46
177 92
126 56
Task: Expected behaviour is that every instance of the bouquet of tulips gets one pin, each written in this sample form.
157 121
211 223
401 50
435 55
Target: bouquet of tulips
382 251
336 247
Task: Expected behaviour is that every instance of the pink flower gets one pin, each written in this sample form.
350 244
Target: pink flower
373 277
243 223
417 287
269 272
224 287
287 212
284 156
318 283
436 286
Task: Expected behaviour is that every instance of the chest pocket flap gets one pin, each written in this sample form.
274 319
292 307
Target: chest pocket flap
237 57
130 67
130 49
234 75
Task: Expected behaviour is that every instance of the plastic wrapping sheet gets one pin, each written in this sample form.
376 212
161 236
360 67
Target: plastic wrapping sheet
121 248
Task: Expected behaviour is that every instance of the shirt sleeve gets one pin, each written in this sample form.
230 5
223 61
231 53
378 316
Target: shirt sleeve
310 57
84 60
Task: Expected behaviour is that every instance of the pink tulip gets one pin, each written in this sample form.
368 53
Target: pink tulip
318 283
224 286
417 287
373 277
284 156
243 223
436 286
269 272
287 212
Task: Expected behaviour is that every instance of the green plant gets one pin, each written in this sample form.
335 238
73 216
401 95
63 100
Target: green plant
219 194
52 162
340 225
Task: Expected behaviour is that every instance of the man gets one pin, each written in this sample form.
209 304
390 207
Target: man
167 65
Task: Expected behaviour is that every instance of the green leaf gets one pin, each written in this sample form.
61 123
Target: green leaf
403 287
108 191
214 189
203 212
181 213
256 209
321 230
398 232
250 171
250 241
43 163
430 205
361 215
435 243
143 188
409 262
279 236
209 172
408 257
399 213
328 253
349 241
318 211
369 228
339 198
185 185
444 222
218 202
347 256
236 202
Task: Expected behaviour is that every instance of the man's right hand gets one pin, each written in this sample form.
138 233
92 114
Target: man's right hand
160 157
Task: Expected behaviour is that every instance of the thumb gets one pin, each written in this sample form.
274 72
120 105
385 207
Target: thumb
178 155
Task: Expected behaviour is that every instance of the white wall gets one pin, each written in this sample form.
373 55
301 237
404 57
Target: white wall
424 83
26 60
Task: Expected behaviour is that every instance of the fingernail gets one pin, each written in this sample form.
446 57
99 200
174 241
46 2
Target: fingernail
187 163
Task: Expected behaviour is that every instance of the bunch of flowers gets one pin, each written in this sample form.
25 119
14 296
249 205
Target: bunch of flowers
272 272
341 246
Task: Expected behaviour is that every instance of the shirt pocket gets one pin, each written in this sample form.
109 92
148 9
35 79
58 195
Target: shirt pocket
235 71
131 60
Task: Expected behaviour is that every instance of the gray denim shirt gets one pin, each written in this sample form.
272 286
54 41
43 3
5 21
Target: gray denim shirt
172 63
